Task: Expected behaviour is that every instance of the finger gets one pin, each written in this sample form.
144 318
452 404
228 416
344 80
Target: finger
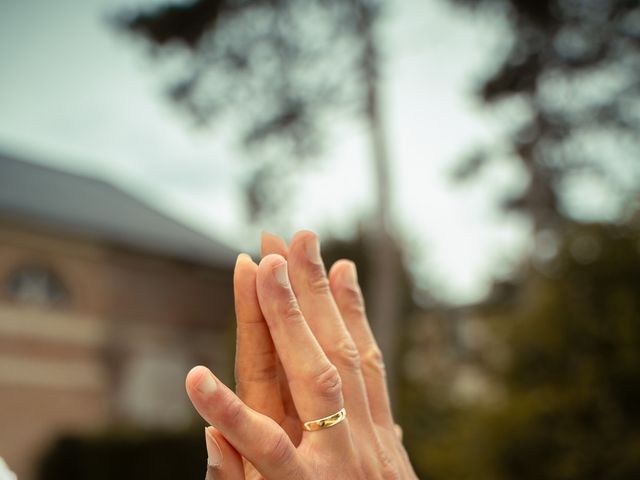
271 243
343 281
314 382
256 368
311 287
223 461
256 437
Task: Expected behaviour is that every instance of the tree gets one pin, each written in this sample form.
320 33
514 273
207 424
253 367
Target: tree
574 66
572 382
282 68
565 396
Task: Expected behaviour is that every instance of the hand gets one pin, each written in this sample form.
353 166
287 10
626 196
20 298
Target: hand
330 360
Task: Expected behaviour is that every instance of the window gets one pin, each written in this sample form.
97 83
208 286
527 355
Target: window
38 285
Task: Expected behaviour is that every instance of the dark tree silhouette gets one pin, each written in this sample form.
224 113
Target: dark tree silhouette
575 65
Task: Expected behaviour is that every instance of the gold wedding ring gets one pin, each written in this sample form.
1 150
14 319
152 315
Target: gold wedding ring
325 422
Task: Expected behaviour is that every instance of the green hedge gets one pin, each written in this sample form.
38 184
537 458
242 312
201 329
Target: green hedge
126 456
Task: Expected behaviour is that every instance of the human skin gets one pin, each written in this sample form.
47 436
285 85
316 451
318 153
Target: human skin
304 351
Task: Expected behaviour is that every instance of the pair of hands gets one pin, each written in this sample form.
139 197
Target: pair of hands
304 351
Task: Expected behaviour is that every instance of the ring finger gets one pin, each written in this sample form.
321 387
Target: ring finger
311 287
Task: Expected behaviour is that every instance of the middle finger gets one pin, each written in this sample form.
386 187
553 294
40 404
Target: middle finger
311 286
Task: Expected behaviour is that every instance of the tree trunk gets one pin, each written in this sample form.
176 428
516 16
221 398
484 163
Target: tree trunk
383 296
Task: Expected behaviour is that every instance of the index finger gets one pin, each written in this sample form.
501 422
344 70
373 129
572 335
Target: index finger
256 367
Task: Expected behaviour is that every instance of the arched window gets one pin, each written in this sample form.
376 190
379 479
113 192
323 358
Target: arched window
37 285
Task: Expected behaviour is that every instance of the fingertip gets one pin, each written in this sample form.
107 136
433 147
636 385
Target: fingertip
272 243
301 237
272 267
341 268
200 381
192 378
244 259
195 374
305 250
270 261
343 274
303 233
245 270
343 281
266 236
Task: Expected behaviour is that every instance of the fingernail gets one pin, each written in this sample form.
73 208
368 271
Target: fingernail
207 385
214 454
312 246
351 275
280 272
243 256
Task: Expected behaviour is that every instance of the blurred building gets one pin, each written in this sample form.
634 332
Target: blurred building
105 303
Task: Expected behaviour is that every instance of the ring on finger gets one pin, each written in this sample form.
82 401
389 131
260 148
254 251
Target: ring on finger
325 422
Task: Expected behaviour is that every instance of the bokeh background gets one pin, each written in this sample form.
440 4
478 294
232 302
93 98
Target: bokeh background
478 159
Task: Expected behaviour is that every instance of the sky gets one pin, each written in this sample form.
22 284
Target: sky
76 95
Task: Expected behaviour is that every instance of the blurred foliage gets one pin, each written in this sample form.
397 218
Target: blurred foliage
127 455
572 67
278 72
563 363
569 390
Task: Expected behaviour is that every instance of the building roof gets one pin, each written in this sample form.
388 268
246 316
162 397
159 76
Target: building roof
95 208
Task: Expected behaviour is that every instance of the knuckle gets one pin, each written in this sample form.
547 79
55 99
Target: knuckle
358 472
327 383
373 361
261 374
291 311
377 465
277 450
317 278
346 355
354 310
232 412
352 301
319 285
263 369
389 472
387 467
